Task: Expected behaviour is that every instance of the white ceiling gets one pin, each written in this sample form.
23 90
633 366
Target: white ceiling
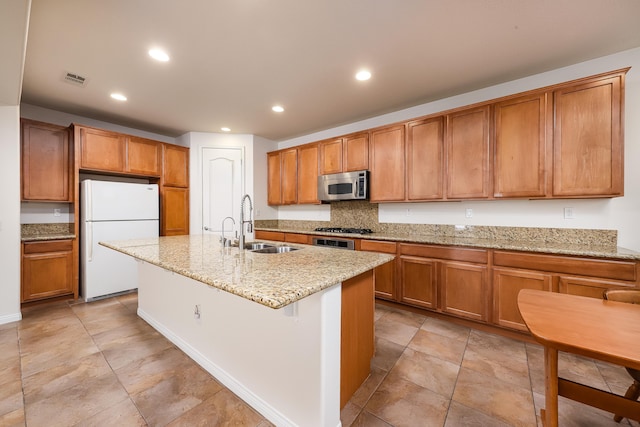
231 60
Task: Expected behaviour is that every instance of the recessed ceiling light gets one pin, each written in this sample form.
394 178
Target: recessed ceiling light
277 108
119 96
159 55
363 75
225 129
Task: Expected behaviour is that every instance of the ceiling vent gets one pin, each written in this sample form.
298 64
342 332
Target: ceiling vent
75 79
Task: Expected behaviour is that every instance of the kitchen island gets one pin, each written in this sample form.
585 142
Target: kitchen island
274 328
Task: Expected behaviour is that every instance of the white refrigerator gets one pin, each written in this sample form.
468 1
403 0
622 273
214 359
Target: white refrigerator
113 211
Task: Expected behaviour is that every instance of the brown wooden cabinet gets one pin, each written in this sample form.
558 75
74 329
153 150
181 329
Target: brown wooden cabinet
47 270
308 174
175 166
387 161
330 156
143 156
385 274
425 159
418 278
520 146
102 150
269 235
355 152
174 211
46 162
464 289
467 142
588 138
282 185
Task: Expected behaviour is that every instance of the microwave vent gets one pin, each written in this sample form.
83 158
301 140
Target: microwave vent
75 79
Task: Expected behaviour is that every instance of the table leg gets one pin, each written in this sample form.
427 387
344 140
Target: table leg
550 413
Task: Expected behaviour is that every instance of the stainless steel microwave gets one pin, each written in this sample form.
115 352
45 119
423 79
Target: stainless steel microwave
344 186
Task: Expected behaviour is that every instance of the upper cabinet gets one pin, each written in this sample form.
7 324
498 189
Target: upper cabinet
282 181
101 150
308 174
467 141
175 166
588 138
520 146
387 161
46 162
346 154
143 156
425 159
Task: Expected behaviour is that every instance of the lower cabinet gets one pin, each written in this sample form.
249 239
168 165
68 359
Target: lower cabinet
269 235
418 282
47 270
465 290
385 274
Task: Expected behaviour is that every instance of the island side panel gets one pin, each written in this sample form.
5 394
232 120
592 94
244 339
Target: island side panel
285 363
357 328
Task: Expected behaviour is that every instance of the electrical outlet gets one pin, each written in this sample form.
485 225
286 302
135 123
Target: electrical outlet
56 212
408 212
468 213
569 213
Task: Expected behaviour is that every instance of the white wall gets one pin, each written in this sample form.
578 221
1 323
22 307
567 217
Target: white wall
10 214
619 213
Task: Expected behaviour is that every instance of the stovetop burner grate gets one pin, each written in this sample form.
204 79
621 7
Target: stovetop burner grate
344 230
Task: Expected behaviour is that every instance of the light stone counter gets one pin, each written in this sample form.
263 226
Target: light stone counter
273 280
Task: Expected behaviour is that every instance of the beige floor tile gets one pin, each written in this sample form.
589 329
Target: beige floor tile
394 331
513 371
10 371
386 354
10 397
366 419
76 403
364 392
575 414
446 329
495 398
427 371
439 346
13 419
462 416
402 403
48 383
130 350
175 395
405 317
130 331
485 342
122 414
349 413
57 354
222 409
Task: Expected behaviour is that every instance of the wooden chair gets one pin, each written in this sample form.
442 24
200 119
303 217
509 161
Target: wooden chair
630 296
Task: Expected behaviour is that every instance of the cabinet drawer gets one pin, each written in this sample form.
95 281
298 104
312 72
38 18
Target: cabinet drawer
296 238
607 269
377 246
593 288
445 252
49 246
270 235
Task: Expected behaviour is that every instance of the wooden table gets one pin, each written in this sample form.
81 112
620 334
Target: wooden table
603 330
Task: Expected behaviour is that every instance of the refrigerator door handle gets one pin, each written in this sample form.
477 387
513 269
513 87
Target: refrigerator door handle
89 242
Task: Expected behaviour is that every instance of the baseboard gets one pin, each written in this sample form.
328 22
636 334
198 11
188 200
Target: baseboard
8 318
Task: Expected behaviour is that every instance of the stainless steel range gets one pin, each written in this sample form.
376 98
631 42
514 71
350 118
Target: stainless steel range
335 242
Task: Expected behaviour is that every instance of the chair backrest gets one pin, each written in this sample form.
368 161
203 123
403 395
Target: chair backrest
623 295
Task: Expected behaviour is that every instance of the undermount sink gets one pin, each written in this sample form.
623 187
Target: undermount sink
275 250
257 245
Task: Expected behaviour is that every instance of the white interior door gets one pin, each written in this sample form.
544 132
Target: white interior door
222 189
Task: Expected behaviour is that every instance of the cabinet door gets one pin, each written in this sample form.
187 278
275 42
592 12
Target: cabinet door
356 152
593 288
331 156
425 159
385 274
270 235
46 162
304 239
102 150
174 218
467 139
175 166
464 290
47 270
520 129
289 165
274 183
587 139
143 156
418 282
387 147
507 283
308 174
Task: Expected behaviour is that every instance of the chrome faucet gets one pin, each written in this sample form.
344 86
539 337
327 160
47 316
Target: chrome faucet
242 220
226 242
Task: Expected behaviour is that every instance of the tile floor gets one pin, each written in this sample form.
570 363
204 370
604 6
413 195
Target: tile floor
98 364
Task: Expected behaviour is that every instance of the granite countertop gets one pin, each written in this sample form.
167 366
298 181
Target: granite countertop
45 237
273 280
44 232
575 249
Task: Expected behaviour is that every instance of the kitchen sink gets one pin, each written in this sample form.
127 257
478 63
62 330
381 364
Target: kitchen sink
257 245
275 250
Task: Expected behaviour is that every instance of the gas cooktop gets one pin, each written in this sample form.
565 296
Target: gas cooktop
344 230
